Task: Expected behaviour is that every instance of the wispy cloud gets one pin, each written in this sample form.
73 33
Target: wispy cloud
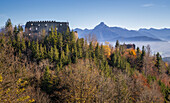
148 5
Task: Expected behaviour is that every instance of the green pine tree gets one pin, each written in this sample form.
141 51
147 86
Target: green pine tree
74 53
46 80
50 54
117 44
79 49
67 53
37 55
56 54
41 52
91 50
15 30
158 62
97 50
60 42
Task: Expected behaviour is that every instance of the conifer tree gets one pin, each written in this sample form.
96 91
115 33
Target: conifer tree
95 59
20 28
55 31
79 49
62 57
72 38
143 53
50 54
117 44
29 44
45 51
86 55
13 43
20 53
107 69
8 27
61 64
20 31
67 50
55 36
41 52
102 56
118 61
142 56
158 62
102 67
33 49
67 35
43 34
67 53
138 52
46 76
60 42
113 59
18 42
85 50
91 50
37 50
46 80
15 30
23 46
138 59
74 53
97 50
56 54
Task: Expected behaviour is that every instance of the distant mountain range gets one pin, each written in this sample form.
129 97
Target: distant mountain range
166 59
106 33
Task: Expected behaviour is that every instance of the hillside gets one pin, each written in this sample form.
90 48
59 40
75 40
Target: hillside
58 68
105 33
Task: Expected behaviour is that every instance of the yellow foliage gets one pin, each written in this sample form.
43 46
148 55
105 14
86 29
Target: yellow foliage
0 78
107 50
166 64
106 43
23 98
16 92
31 100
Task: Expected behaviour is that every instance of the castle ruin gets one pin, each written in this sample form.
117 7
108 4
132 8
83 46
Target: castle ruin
36 28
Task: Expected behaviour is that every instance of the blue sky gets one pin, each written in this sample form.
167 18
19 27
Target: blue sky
130 14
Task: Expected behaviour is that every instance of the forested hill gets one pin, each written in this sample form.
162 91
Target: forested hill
61 68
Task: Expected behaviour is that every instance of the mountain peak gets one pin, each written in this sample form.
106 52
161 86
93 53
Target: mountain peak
101 25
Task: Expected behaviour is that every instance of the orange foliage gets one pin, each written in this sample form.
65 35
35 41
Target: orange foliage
132 52
142 78
166 80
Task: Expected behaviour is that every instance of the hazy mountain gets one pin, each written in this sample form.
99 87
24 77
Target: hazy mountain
159 33
166 59
136 38
106 33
